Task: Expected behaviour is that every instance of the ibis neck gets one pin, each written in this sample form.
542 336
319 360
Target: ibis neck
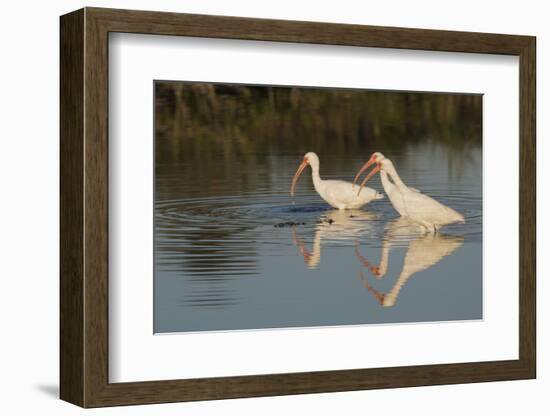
316 178
386 183
395 177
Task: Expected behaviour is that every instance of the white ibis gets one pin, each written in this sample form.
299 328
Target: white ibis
422 253
339 194
408 201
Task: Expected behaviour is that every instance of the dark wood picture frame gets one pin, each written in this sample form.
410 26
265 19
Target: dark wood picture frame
84 207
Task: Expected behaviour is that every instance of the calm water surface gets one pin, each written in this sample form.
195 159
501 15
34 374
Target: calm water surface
227 256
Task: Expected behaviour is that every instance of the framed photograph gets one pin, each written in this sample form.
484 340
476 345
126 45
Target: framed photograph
255 207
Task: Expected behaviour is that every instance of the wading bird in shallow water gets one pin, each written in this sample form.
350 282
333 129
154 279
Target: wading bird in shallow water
339 194
409 202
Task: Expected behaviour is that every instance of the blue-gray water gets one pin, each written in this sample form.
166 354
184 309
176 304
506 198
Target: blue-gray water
226 257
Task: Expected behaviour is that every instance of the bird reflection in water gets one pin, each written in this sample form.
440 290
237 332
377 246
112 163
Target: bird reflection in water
335 225
423 251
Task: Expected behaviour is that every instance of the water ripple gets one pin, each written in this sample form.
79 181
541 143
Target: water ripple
214 241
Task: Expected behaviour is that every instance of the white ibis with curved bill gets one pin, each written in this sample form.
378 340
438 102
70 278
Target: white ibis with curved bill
338 194
408 201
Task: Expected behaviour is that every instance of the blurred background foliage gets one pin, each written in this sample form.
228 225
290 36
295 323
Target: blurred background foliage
194 120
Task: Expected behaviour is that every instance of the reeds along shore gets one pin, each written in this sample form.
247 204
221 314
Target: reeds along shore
195 119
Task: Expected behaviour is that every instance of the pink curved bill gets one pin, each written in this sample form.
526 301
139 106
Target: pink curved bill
370 175
297 175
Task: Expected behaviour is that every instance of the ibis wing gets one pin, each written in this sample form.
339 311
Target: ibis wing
341 191
422 207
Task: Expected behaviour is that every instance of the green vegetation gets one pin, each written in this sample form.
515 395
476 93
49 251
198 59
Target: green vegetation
195 121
